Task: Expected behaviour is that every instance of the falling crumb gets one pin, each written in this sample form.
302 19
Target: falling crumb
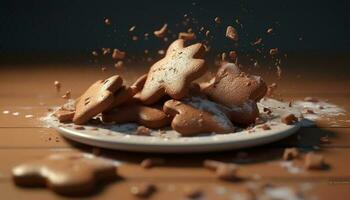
269 31
257 42
151 162
161 52
67 95
223 56
232 55
135 38
117 54
106 51
227 172
108 21
29 116
231 33
271 89
103 69
119 65
131 29
57 86
187 36
273 51
207 33
143 190
162 31
290 153
5 112
217 20
94 53
279 72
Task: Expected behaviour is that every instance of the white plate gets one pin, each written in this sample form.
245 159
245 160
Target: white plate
122 137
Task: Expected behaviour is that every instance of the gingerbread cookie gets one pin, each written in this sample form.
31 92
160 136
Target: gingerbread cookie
64 115
96 99
150 117
70 173
196 115
173 74
123 95
231 87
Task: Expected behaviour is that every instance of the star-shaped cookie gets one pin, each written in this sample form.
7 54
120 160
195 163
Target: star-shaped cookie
173 74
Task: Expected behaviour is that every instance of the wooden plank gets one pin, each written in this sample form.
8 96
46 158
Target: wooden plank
259 163
177 189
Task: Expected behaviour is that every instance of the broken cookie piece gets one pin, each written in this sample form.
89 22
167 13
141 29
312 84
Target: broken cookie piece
314 161
290 153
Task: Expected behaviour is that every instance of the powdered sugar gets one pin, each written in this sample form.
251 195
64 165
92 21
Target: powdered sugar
213 108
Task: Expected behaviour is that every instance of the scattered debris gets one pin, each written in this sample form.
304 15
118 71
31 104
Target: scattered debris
162 31
290 153
57 86
143 190
151 162
231 33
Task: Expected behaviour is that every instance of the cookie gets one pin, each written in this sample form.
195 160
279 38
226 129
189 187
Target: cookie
138 85
231 87
123 95
97 98
196 115
70 173
173 74
149 117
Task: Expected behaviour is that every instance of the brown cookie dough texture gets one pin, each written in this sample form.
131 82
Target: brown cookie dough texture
173 74
194 116
70 173
151 117
236 90
97 98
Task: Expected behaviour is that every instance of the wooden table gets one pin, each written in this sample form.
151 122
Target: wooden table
28 89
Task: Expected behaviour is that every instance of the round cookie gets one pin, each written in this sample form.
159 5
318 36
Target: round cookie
231 87
196 115
150 117
173 74
96 99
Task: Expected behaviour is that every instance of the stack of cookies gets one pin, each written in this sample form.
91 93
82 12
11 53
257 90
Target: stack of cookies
168 96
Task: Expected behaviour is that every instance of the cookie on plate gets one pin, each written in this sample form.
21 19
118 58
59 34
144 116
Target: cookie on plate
196 115
173 74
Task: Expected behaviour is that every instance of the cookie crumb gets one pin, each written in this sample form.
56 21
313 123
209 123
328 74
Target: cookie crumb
193 193
108 21
151 162
265 127
131 29
119 65
231 33
232 55
57 86
273 51
161 52
314 161
106 51
217 20
142 130
67 95
289 119
308 111
271 89
269 31
290 153
187 36
227 172
207 33
117 54
143 190
94 53
162 31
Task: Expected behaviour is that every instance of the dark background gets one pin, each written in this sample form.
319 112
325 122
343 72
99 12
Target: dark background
68 26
